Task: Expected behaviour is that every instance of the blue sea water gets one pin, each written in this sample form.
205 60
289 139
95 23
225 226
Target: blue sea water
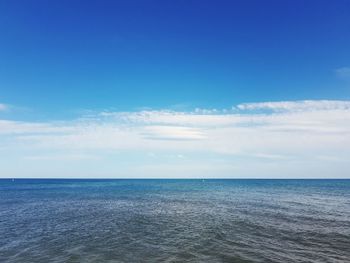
174 220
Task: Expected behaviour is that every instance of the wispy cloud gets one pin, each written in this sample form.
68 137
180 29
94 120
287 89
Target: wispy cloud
3 107
173 133
304 105
343 72
291 133
61 157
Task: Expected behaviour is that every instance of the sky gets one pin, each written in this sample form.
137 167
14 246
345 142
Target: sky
175 89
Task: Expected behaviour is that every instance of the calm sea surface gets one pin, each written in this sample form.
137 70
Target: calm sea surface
175 221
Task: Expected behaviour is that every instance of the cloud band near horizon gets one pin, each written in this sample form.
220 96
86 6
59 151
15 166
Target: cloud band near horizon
287 139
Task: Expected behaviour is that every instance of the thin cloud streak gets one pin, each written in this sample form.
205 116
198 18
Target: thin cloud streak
3 107
343 73
304 105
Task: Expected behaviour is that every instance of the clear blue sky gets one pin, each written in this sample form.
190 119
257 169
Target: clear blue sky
78 81
59 55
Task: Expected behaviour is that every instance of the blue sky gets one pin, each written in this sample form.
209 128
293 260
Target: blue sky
153 72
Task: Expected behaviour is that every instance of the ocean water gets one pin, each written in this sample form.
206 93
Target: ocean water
175 221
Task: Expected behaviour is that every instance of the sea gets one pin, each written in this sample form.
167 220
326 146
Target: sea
146 220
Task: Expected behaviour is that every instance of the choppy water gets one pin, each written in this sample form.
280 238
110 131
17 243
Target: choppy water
175 221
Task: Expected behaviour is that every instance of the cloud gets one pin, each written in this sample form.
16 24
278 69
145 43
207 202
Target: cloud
304 105
61 157
343 73
3 107
19 127
291 138
173 133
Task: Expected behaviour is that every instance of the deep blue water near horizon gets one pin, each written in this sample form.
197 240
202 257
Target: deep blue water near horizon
150 220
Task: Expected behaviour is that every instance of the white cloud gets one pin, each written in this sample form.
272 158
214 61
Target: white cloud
61 157
3 107
19 127
294 133
343 72
304 105
173 133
